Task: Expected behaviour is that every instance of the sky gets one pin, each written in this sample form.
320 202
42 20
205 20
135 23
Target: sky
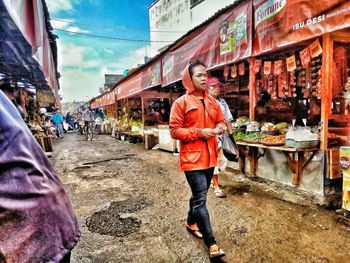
83 61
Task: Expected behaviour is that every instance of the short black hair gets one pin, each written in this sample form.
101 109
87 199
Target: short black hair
194 63
4 86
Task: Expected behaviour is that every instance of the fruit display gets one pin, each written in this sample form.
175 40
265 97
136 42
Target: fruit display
123 121
268 126
241 121
282 127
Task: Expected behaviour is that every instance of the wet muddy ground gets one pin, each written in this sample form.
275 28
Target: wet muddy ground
131 204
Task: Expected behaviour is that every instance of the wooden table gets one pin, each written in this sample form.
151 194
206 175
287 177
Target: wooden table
295 157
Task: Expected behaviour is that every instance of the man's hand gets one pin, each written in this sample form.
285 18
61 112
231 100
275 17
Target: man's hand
208 133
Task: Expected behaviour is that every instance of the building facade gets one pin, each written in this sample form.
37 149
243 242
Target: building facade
171 19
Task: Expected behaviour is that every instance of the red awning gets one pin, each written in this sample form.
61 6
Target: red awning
285 22
224 40
149 77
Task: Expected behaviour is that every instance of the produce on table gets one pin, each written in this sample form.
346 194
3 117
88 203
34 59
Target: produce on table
270 139
239 136
282 127
241 121
253 126
268 126
253 137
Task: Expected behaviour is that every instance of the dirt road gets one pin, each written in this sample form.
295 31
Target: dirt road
131 204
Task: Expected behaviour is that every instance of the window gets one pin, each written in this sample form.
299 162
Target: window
195 2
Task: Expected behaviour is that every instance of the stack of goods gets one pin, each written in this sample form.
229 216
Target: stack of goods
286 79
253 126
301 137
123 122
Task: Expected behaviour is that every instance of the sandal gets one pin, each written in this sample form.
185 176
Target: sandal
219 193
194 230
215 252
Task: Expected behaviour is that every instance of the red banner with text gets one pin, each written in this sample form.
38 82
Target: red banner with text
279 23
147 78
224 40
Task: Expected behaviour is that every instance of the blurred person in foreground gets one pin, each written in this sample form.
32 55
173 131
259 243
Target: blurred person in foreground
17 97
214 90
37 221
196 119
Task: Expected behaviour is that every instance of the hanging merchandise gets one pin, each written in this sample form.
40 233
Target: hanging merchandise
291 63
316 64
277 67
305 57
267 67
241 69
292 84
315 49
234 71
282 79
226 72
257 65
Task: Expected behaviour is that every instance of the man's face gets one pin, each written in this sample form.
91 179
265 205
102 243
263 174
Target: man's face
199 78
214 90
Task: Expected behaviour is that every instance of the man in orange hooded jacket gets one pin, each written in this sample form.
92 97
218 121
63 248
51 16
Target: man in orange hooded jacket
196 118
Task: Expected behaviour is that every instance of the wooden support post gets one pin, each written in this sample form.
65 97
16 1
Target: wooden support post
327 63
253 160
116 106
252 90
241 160
143 112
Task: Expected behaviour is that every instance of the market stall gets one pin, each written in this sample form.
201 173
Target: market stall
298 80
142 105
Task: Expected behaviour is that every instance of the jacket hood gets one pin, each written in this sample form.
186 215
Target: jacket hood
187 81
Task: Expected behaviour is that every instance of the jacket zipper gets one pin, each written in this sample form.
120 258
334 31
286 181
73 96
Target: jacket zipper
205 126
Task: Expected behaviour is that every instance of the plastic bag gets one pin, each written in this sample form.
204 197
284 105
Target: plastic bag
229 147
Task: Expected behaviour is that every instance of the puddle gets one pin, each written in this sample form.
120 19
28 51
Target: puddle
111 221
239 189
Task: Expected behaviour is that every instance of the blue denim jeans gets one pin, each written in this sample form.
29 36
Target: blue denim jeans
199 182
59 128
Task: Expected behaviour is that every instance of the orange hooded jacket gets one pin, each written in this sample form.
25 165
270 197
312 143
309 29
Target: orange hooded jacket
188 117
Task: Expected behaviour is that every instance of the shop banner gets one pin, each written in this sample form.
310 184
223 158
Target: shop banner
130 86
45 97
151 76
224 40
147 78
279 23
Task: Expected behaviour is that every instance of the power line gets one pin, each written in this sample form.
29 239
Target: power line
116 28
114 38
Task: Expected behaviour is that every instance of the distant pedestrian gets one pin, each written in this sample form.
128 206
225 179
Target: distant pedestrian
37 221
214 90
57 120
195 120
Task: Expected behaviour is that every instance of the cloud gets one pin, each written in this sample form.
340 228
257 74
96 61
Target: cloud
75 29
59 24
83 68
55 6
79 85
75 56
